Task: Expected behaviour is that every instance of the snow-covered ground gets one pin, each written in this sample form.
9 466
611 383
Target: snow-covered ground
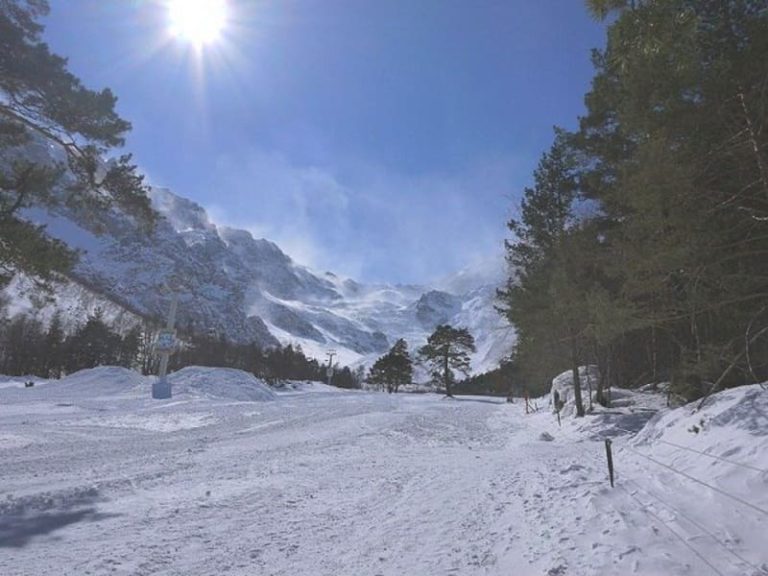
96 478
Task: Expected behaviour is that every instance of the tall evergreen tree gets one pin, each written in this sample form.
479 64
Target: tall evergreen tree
447 349
544 298
392 370
55 354
23 347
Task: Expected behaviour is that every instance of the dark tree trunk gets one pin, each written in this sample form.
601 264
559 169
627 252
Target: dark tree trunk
603 362
576 381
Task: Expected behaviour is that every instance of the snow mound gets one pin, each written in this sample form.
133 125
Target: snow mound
729 419
724 447
219 383
563 385
103 381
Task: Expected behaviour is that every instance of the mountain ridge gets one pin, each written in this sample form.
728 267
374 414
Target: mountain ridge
248 290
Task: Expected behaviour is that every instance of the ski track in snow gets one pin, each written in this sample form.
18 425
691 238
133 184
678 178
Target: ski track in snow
322 484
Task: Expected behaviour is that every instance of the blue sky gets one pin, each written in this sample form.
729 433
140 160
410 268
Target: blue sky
382 139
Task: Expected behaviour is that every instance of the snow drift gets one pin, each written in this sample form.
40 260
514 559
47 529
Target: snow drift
103 381
732 425
116 383
219 383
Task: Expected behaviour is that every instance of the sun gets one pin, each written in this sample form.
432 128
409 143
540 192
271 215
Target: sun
197 21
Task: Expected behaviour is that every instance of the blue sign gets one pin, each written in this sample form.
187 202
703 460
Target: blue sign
166 341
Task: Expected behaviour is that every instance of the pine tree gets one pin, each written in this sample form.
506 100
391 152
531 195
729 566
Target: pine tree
543 301
93 344
378 373
601 8
42 103
23 347
401 365
392 370
447 349
128 353
54 348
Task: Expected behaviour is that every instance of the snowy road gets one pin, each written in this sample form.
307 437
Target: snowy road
324 483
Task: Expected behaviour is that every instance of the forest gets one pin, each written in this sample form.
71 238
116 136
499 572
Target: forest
642 245
30 348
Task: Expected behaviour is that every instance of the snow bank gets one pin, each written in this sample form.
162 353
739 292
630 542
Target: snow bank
732 424
114 382
219 383
104 381
710 465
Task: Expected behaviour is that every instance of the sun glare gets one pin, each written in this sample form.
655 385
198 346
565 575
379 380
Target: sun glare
197 21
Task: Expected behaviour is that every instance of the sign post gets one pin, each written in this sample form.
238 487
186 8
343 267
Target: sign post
165 345
329 370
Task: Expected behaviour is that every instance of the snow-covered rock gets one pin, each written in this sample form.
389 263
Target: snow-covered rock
562 386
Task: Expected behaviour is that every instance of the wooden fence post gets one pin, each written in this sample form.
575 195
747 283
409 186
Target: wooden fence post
609 456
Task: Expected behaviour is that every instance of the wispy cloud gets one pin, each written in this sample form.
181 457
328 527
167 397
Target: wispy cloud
367 223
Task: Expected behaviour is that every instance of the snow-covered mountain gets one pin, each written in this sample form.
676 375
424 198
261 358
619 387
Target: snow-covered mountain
249 290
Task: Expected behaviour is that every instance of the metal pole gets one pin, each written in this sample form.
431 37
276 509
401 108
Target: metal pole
161 388
329 372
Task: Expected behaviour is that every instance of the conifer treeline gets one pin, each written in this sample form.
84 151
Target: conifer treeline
29 348
642 246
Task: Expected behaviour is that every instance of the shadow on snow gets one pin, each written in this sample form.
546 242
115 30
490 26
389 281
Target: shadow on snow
22 521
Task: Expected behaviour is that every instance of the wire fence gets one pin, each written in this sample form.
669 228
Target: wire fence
672 531
701 453
714 456
677 513
701 482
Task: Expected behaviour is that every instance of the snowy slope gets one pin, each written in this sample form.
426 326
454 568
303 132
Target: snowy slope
349 483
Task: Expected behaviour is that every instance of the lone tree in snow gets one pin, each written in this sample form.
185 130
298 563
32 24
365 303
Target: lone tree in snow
446 350
43 104
394 369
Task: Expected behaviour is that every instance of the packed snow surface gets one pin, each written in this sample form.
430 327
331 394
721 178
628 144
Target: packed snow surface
327 482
